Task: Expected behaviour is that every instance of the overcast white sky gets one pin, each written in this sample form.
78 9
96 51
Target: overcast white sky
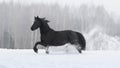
112 6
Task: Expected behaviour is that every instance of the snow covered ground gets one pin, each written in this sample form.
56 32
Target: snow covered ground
26 58
98 39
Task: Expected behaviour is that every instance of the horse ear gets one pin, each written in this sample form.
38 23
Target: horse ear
37 16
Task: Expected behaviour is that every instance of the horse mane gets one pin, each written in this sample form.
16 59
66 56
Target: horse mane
45 27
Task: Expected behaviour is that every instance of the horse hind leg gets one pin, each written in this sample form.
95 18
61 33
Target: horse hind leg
77 45
78 48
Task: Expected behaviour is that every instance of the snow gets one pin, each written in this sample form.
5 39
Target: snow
97 39
26 58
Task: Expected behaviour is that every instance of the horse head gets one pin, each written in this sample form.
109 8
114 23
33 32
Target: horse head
38 22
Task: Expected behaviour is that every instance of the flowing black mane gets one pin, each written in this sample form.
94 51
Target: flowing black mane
50 37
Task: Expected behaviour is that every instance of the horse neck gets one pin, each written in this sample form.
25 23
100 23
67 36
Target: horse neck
45 29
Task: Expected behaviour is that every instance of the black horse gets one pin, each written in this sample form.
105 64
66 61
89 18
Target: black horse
50 37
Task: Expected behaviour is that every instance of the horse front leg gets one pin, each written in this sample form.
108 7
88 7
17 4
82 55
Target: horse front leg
47 49
35 47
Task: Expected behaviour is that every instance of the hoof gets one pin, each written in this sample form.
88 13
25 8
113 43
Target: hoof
35 50
80 51
47 52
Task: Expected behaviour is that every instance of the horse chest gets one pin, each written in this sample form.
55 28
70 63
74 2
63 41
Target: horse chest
44 37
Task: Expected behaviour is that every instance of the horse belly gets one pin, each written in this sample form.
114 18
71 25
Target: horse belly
59 40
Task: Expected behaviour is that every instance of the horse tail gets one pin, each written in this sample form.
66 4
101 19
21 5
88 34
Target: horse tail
81 40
